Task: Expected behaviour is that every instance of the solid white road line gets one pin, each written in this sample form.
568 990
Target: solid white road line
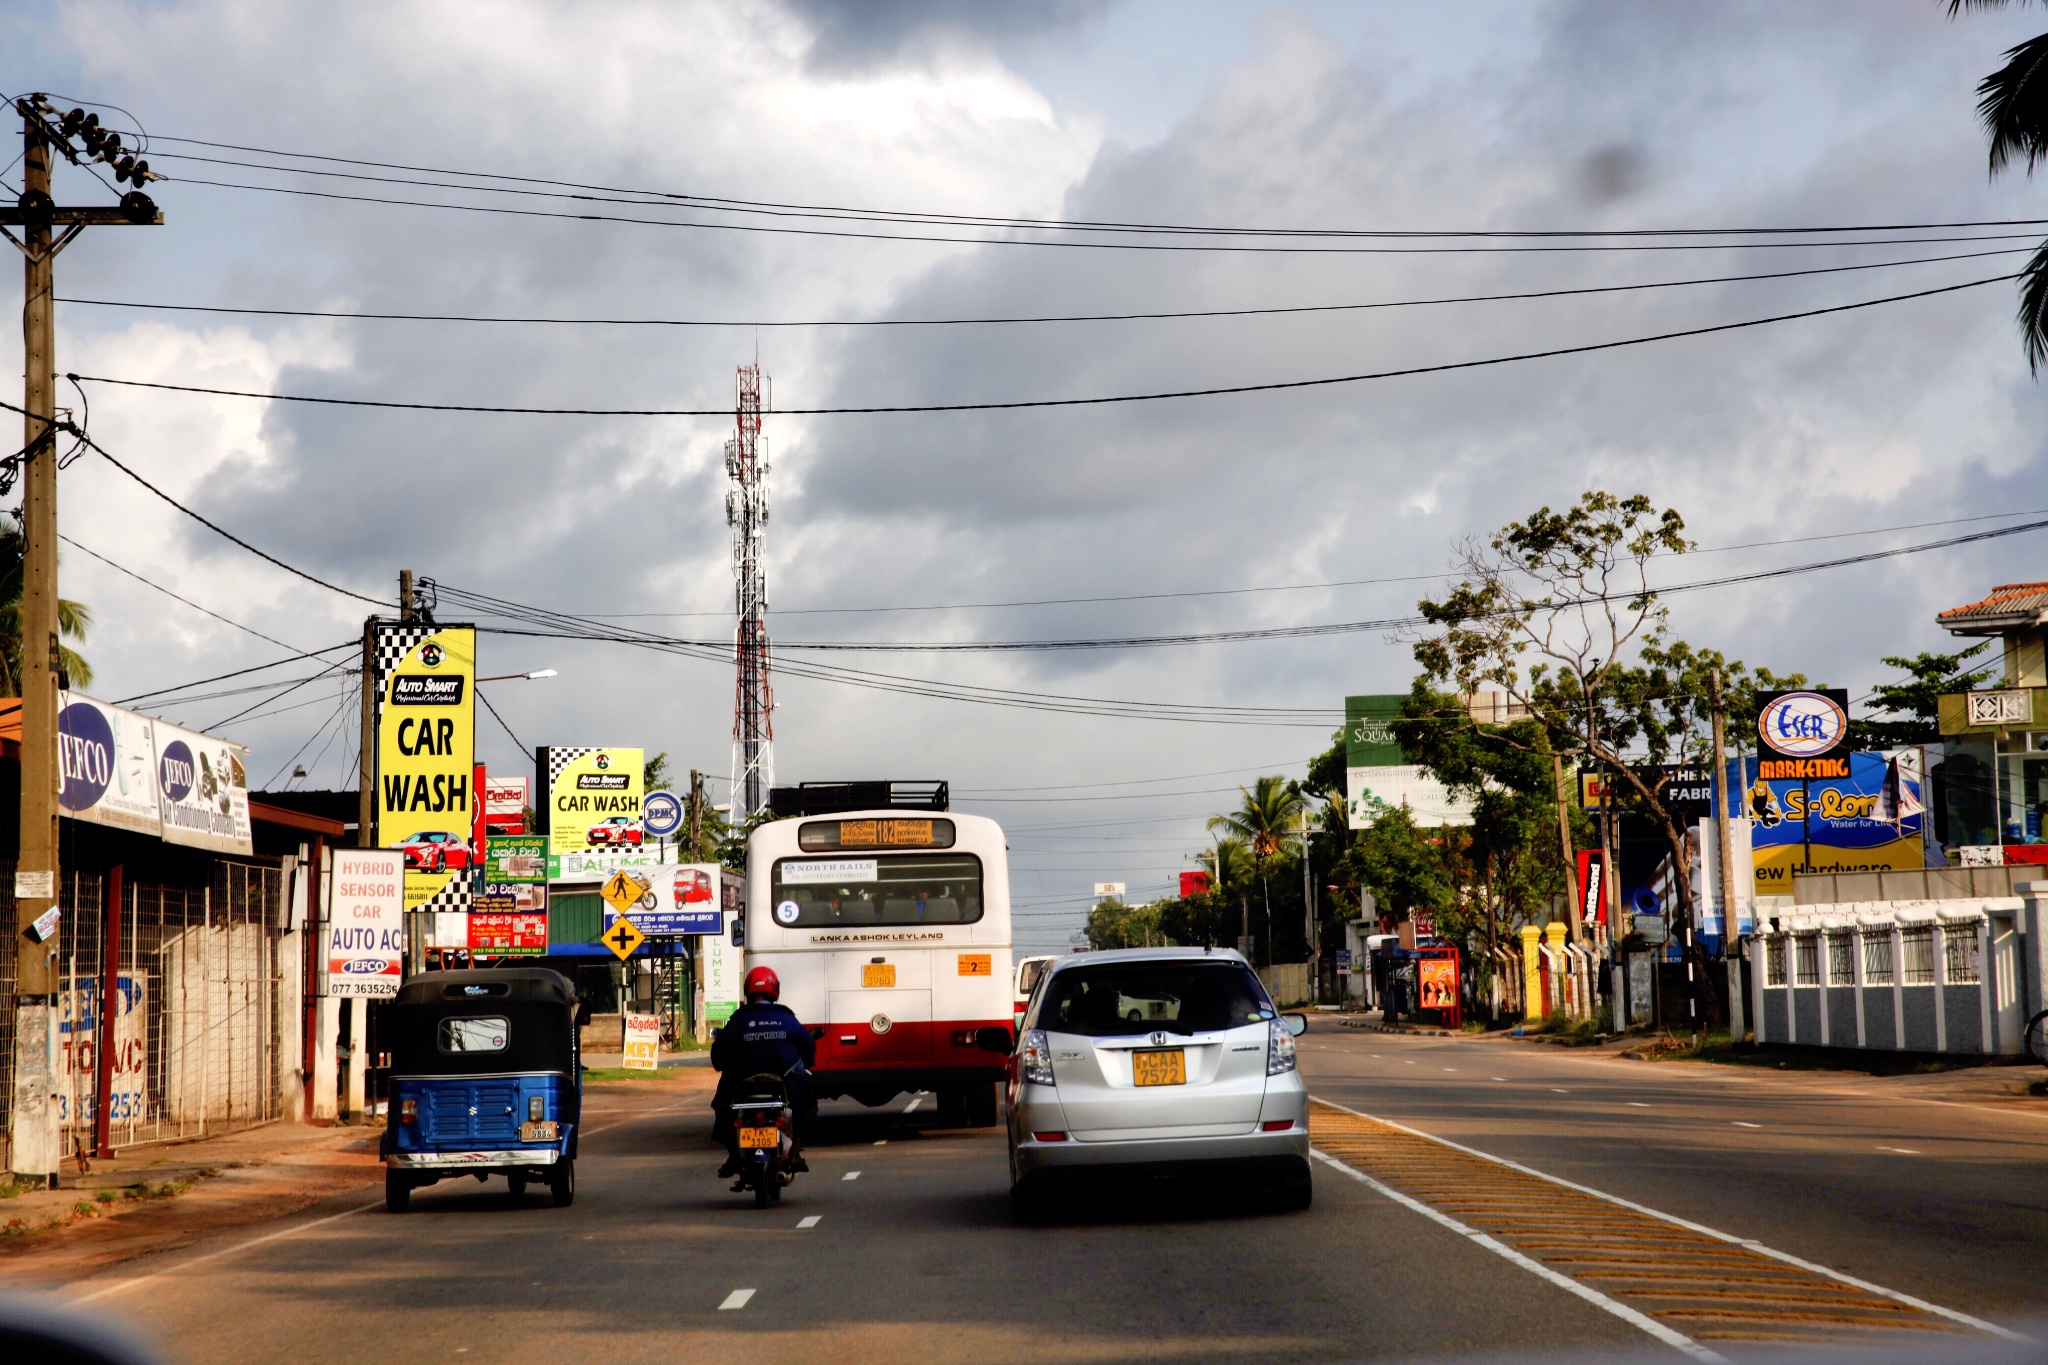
851 1175
1758 1247
1537 1268
809 1220
737 1299
915 1101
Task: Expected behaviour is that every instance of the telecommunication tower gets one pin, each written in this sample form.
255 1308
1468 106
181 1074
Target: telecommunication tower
746 511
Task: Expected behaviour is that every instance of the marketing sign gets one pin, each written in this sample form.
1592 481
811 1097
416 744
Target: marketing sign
1835 824
592 809
516 867
106 766
505 802
365 922
426 757
78 1035
1378 776
202 787
642 1042
686 899
1805 734
498 928
720 963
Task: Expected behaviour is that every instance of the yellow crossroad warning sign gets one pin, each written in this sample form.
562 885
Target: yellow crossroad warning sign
624 891
623 937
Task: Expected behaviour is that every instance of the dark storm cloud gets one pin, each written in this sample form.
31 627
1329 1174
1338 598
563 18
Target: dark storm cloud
851 34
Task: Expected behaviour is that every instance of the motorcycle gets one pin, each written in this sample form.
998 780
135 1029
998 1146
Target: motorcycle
764 1121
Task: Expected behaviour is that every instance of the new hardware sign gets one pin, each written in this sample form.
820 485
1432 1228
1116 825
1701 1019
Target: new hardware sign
426 757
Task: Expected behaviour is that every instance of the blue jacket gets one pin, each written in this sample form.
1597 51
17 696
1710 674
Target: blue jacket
760 1038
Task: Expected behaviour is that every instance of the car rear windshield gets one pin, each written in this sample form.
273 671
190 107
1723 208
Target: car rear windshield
1116 999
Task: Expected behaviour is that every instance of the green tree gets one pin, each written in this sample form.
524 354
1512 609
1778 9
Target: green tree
2013 104
1917 696
73 618
1113 924
654 775
1268 814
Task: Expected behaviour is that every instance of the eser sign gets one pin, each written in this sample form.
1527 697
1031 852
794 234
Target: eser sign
366 922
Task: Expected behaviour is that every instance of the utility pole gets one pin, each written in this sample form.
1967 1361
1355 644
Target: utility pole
34 1135
696 815
1724 826
366 752
1308 901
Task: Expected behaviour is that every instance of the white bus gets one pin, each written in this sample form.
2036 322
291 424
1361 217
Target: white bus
890 931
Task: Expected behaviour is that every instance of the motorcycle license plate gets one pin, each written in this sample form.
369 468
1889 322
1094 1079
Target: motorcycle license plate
542 1131
1165 1066
751 1138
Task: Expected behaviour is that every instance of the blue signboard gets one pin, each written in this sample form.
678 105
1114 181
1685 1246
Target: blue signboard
661 814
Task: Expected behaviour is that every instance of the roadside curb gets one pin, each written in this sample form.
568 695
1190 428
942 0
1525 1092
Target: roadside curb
1371 1027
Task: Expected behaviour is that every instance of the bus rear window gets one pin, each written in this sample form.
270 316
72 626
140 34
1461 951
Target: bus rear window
903 888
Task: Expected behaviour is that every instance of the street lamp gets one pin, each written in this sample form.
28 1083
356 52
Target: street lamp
508 677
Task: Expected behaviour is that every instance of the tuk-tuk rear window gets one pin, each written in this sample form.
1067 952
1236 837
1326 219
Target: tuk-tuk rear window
487 1034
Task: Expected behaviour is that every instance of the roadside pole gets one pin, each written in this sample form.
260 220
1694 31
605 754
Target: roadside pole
1724 826
35 1139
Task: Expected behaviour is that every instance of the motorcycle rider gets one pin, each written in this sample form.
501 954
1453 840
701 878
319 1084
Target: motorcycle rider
763 1036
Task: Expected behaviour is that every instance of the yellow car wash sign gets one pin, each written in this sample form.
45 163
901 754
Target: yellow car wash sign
593 801
426 753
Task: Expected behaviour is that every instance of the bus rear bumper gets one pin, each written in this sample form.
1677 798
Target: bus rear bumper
878 1085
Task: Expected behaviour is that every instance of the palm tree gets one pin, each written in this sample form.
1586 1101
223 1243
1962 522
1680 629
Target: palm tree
2013 102
1270 810
73 618
1226 861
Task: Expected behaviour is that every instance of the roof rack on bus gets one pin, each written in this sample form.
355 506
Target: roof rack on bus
829 798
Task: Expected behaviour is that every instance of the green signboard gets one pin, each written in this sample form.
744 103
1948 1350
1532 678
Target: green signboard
1368 735
511 859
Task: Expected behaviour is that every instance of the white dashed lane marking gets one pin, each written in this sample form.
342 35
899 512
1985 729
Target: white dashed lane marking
810 1221
915 1101
1902 1151
851 1175
1741 1124
737 1299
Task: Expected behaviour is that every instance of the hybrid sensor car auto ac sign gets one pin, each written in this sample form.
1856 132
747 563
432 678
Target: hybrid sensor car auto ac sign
426 757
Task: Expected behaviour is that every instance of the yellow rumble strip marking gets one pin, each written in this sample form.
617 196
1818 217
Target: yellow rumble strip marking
1650 1268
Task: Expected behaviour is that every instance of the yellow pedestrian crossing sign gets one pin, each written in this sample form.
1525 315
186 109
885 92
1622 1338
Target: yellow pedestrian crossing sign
623 937
623 891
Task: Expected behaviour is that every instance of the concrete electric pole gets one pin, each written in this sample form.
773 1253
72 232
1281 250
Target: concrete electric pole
34 1135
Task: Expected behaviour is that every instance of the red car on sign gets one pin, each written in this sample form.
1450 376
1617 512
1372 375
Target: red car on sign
619 831
436 850
692 887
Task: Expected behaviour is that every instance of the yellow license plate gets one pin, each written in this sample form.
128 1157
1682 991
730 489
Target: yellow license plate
751 1138
1167 1066
538 1131
882 974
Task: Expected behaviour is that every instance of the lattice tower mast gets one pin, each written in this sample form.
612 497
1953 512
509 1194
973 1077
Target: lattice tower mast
746 511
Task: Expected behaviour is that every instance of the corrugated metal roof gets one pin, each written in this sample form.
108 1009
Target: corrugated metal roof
2010 605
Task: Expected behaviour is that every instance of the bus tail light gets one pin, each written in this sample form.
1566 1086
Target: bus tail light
536 1108
408 1111
1034 1058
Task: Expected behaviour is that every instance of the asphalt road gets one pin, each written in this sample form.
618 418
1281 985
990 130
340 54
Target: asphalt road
1945 1201
899 1243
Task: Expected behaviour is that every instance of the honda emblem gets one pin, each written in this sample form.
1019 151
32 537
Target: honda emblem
1158 1039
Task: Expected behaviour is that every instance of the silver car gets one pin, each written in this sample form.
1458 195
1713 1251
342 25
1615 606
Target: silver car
1167 1060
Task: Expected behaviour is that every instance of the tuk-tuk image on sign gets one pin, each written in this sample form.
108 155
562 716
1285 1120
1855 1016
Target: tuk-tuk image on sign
485 1080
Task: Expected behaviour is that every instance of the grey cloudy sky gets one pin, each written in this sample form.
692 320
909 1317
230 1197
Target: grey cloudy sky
1395 115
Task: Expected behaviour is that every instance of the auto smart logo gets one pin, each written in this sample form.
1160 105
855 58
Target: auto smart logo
602 761
175 771
85 756
432 654
1802 724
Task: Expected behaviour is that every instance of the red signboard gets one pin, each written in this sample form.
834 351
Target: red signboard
504 803
1194 884
508 935
1592 888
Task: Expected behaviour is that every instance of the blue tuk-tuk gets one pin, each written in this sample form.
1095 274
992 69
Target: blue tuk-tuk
486 1080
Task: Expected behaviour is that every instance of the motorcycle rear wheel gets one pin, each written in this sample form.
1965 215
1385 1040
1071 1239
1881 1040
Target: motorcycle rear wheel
765 1190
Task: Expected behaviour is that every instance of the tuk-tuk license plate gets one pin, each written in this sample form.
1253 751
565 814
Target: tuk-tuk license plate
751 1138
543 1131
1166 1066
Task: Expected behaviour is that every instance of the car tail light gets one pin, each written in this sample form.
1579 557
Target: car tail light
1034 1058
1279 1048
1276 1125
536 1107
408 1111
1049 1137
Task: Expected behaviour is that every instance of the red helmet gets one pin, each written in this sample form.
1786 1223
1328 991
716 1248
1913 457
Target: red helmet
762 981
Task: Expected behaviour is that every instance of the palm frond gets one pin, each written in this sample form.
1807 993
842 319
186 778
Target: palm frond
2013 104
2034 309
1956 7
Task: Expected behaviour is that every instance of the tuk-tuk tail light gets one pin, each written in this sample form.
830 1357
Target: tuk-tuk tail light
536 1107
408 1111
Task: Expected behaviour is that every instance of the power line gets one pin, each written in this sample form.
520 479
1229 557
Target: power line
237 673
174 596
1170 315
519 743
992 220
1106 400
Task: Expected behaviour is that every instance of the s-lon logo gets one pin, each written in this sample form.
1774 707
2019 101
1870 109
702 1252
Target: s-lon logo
431 654
1802 724
175 772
